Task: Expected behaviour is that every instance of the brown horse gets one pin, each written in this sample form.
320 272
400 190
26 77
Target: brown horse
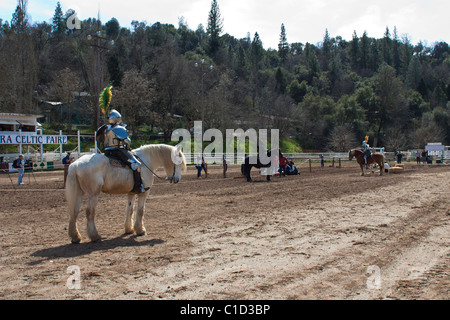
377 158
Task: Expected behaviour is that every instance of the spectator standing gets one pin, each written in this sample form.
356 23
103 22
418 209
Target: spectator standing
21 169
399 157
418 157
283 163
225 166
198 165
66 161
205 167
424 156
201 165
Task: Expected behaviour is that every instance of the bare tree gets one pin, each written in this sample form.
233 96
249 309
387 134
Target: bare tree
342 139
395 139
64 88
428 133
134 100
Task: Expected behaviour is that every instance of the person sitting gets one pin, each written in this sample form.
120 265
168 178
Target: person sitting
366 150
116 144
291 169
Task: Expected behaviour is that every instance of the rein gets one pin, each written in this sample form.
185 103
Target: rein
143 162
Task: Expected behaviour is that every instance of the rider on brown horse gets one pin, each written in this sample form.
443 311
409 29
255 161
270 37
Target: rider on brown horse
366 150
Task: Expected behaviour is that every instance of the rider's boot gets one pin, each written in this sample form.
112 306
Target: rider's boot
136 167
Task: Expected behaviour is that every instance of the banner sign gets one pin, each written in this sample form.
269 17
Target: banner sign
31 139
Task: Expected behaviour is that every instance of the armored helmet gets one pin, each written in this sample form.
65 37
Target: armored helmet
114 117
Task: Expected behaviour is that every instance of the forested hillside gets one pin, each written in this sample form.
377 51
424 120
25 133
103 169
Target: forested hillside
324 96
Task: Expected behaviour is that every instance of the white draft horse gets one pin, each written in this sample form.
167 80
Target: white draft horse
93 174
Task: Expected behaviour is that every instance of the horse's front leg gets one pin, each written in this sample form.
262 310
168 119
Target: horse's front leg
129 214
90 215
139 227
362 169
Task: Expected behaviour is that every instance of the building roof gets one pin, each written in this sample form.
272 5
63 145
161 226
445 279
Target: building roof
20 119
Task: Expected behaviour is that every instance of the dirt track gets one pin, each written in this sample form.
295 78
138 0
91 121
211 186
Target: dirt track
313 236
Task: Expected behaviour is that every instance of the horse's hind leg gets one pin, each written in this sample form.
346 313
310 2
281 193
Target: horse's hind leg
74 210
381 165
90 215
129 214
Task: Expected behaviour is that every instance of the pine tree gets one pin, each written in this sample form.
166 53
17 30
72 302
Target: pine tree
58 20
326 51
215 25
283 46
354 53
256 50
364 57
386 47
19 21
396 51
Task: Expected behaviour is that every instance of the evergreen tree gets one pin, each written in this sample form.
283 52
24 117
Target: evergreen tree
414 73
215 25
354 53
326 51
283 46
280 82
19 21
396 51
386 47
114 70
256 50
364 51
375 55
58 24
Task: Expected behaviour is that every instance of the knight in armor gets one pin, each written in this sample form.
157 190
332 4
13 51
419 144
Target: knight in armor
116 144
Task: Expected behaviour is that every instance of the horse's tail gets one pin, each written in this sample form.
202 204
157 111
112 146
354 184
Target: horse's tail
74 194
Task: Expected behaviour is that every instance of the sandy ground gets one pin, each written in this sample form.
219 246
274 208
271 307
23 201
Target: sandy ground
329 234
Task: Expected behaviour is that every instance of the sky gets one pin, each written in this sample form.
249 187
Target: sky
304 20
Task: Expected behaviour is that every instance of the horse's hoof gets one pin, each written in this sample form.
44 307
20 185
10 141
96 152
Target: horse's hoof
96 239
76 241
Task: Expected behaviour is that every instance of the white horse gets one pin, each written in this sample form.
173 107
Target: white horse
93 174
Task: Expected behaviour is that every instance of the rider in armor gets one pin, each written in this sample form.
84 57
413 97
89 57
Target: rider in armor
116 144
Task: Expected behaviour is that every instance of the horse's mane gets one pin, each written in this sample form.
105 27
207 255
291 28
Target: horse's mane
161 152
356 150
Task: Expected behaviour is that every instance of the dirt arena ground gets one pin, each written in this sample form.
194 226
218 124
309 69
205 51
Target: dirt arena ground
329 234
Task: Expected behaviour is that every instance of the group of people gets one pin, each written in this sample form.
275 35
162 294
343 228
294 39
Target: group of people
422 157
287 167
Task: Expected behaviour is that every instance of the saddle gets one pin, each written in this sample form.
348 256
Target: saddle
116 161
367 153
